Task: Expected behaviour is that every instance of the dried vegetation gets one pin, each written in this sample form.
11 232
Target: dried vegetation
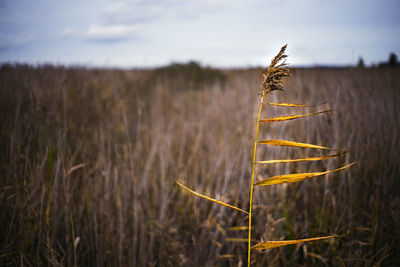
89 158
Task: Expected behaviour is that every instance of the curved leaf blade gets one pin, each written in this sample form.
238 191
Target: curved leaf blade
292 105
287 118
227 256
209 198
238 228
275 244
292 144
299 160
296 177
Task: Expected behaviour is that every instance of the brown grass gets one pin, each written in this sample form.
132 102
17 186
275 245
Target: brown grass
134 138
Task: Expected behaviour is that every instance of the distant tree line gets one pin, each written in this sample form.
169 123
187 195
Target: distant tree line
391 63
187 76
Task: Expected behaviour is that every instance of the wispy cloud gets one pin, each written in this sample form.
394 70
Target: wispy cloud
122 20
69 32
140 11
110 33
214 31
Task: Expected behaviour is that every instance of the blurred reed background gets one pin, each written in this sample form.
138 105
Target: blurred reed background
89 158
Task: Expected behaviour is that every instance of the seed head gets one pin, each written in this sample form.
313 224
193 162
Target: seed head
274 74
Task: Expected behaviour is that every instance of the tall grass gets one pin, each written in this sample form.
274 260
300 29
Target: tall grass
89 157
273 80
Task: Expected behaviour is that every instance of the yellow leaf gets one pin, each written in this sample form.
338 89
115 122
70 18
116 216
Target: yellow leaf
210 199
291 143
275 244
297 177
298 160
286 118
238 228
292 105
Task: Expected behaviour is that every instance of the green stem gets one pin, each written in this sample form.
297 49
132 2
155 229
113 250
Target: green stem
252 179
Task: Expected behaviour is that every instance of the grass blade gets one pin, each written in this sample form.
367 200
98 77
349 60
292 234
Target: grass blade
298 160
275 244
291 143
209 198
227 256
286 118
297 177
238 228
292 105
74 168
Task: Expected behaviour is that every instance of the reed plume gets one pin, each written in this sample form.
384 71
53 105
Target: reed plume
273 81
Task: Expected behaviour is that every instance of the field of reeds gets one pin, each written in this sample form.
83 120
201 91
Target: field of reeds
89 160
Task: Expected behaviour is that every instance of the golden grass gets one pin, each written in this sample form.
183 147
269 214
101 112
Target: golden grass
273 80
297 177
287 118
299 160
276 244
292 105
291 143
209 198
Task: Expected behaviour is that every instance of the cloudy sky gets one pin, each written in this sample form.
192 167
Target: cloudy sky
140 33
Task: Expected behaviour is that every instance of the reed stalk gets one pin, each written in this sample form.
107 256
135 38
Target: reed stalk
273 80
252 178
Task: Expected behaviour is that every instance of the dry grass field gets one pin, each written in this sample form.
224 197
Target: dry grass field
89 159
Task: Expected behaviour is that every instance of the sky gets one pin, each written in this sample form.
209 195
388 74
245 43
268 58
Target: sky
241 33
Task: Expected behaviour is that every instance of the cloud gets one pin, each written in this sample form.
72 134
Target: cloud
69 32
110 33
140 11
122 20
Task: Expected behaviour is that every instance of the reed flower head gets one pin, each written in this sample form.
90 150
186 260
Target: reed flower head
274 74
